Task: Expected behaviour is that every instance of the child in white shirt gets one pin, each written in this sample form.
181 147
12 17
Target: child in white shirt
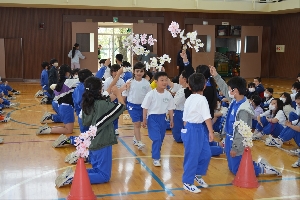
198 125
179 100
155 106
75 54
271 122
113 71
137 88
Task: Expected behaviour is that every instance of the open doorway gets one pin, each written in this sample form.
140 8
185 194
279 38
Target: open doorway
110 37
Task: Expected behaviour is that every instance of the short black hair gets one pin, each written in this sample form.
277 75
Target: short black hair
126 64
159 74
256 99
197 82
258 78
102 61
238 83
114 68
119 57
296 85
148 73
53 60
184 75
45 64
84 74
270 90
74 71
298 75
251 85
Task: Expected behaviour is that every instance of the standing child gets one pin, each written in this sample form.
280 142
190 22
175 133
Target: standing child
179 100
75 54
239 109
155 106
137 88
63 95
113 71
52 79
99 112
197 151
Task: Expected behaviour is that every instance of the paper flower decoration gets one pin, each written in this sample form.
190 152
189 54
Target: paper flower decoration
157 62
245 131
191 36
134 42
174 29
83 141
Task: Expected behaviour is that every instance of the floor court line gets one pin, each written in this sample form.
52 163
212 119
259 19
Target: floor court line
210 186
147 168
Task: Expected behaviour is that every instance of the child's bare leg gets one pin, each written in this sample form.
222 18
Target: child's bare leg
137 130
67 129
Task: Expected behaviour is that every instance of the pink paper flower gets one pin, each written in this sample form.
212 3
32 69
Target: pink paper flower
143 39
151 40
174 29
83 141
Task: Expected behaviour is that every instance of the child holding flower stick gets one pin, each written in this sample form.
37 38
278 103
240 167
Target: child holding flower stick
239 112
100 112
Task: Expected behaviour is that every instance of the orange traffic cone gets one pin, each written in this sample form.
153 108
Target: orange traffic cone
245 177
81 186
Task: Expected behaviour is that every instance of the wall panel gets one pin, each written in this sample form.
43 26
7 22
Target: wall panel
55 40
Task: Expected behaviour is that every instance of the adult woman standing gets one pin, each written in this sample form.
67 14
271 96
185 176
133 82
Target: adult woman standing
75 54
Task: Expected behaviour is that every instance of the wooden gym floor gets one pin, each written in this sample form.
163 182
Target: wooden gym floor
29 165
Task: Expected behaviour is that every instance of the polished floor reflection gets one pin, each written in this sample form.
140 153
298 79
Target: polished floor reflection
29 165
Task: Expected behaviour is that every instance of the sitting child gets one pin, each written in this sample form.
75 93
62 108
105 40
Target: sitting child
295 89
271 122
287 104
251 90
268 97
255 102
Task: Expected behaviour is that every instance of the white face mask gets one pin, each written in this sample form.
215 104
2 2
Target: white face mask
55 64
293 91
75 76
271 107
266 95
282 99
230 95
251 89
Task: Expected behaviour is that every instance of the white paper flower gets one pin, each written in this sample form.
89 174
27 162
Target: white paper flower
151 40
174 29
245 131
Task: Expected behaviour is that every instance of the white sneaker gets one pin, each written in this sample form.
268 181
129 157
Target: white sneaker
11 98
269 138
296 164
17 92
14 105
43 130
39 93
200 181
5 119
156 163
268 169
44 100
141 145
257 135
295 152
46 116
191 188
72 158
60 141
116 132
135 142
65 178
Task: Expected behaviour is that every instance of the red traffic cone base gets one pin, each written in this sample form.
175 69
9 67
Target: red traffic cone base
245 177
81 188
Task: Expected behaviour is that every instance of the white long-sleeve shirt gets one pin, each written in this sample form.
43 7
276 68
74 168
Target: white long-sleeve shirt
76 56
